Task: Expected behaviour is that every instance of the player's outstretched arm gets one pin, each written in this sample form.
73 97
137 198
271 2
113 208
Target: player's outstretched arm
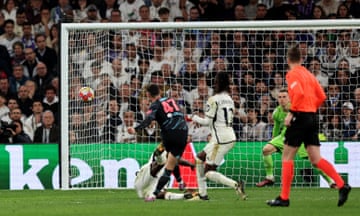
202 121
184 162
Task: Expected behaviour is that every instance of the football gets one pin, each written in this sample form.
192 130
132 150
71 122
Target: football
86 94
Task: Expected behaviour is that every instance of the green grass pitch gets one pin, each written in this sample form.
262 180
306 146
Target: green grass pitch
223 202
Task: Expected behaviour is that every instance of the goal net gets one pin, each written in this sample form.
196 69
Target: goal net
118 60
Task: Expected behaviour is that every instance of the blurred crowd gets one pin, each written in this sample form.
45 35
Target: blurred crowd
119 64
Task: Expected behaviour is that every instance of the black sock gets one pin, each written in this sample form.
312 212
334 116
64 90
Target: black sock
176 173
164 179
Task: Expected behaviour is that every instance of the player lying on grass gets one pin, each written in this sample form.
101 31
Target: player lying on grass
219 116
277 143
148 176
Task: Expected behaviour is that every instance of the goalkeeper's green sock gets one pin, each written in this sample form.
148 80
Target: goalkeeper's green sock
269 166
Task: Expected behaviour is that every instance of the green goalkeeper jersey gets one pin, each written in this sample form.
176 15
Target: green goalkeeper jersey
279 116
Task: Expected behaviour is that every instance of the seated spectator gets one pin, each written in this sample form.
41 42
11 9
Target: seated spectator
332 127
261 11
27 37
254 129
348 122
5 87
54 38
32 88
15 112
19 21
127 102
129 121
63 12
143 49
278 81
130 63
19 55
240 13
46 54
48 132
44 26
9 10
343 12
9 38
92 15
30 63
113 118
315 68
24 100
202 90
17 79
164 15
42 78
33 121
334 98
144 14
342 79
80 10
157 60
51 101
330 58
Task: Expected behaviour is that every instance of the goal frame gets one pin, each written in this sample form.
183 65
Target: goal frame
64 160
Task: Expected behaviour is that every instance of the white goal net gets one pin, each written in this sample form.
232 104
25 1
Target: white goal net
118 60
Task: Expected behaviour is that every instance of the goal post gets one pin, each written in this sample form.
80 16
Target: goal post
96 152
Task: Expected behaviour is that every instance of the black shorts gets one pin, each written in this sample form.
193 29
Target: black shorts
174 141
303 129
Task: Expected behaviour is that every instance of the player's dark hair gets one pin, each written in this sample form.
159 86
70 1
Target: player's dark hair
293 54
153 90
283 90
222 82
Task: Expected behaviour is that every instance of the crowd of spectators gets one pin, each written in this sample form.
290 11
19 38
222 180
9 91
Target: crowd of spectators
119 64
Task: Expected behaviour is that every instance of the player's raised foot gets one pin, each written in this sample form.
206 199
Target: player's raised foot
182 186
265 182
150 198
278 202
240 189
343 194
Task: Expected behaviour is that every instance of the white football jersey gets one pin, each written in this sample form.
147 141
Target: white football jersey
220 108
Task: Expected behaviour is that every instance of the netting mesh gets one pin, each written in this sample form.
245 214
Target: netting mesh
118 64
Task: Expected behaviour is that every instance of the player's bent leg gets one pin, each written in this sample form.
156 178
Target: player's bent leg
268 150
213 175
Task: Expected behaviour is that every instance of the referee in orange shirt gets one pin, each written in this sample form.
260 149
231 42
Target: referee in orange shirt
306 97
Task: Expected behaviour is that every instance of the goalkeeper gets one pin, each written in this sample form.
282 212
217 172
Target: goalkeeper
277 143
148 176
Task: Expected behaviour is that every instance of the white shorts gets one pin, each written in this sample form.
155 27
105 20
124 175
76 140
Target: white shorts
215 153
145 184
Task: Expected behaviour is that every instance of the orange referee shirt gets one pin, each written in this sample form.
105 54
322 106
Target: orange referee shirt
305 92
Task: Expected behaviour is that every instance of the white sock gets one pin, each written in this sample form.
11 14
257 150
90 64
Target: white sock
220 178
173 196
201 177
